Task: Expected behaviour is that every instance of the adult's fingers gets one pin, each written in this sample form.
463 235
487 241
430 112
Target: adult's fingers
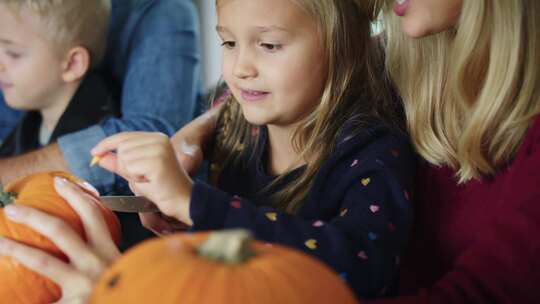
89 187
97 231
60 233
42 263
189 141
189 156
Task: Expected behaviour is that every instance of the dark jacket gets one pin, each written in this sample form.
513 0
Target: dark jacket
356 217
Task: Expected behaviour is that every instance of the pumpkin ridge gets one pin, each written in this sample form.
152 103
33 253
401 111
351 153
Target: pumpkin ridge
258 279
282 268
197 284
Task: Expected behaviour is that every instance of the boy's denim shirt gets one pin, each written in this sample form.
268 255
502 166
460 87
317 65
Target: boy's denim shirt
153 57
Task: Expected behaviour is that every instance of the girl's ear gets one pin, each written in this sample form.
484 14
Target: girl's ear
76 64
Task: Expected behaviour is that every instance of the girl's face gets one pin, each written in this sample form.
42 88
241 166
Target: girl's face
272 59
420 18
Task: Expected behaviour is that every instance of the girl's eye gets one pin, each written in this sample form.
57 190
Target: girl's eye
271 47
228 44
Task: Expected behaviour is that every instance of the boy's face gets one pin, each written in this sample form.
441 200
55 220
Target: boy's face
272 59
30 69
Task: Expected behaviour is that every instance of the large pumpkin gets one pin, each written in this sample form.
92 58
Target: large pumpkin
17 283
218 268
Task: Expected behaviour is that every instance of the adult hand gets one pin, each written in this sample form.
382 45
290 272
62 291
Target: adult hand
87 259
188 150
190 141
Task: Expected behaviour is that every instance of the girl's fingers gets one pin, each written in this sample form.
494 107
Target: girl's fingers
149 145
154 223
60 233
97 231
109 162
111 143
132 172
155 150
143 142
189 157
161 224
41 262
112 163
141 169
127 140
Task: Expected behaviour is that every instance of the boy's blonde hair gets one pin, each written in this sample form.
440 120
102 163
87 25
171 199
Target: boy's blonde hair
353 91
470 93
70 23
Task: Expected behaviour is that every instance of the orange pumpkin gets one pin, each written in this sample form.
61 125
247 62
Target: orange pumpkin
227 268
19 284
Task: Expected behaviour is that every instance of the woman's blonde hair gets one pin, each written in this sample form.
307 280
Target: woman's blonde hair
354 91
470 93
70 23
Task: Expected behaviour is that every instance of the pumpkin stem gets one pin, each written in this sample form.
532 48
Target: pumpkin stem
6 198
228 246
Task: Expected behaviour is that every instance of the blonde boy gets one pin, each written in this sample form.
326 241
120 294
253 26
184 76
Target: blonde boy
47 48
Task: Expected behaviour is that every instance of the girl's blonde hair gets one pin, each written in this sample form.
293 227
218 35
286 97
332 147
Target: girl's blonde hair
354 91
470 93
70 23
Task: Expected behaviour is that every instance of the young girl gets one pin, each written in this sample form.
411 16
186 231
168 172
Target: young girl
312 156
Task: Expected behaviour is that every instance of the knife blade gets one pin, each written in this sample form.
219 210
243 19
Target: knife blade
132 204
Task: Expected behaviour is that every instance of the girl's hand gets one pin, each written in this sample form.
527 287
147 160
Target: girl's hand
87 259
148 162
161 224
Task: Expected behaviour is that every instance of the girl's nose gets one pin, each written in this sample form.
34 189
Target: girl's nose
2 67
244 66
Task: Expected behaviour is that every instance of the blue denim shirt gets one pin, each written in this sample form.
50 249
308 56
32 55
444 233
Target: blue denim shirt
153 61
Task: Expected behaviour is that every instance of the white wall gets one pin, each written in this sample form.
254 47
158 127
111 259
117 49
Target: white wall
211 52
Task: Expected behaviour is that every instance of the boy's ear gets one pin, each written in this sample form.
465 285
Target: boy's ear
76 64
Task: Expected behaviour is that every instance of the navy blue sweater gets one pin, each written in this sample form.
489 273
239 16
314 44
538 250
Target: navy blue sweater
356 216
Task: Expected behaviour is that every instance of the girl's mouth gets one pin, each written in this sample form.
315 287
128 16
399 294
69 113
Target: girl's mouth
252 95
